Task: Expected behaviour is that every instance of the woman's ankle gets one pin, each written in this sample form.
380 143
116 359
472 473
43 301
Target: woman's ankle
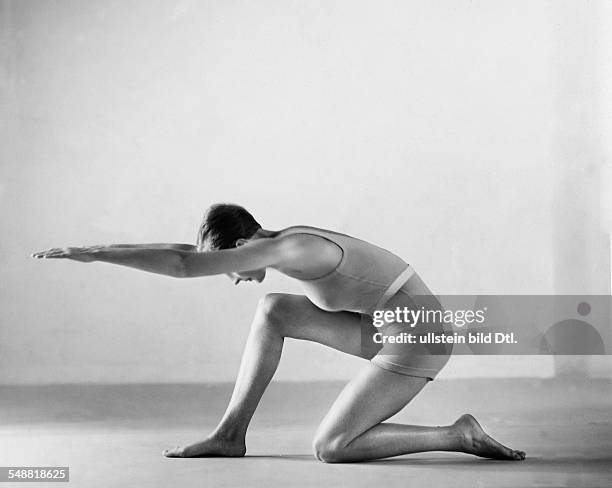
229 434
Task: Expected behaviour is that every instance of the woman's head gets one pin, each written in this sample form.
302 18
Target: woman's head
226 226
223 225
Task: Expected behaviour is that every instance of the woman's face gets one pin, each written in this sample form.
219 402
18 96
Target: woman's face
256 275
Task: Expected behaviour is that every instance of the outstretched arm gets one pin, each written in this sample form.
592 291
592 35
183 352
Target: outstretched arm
177 262
179 247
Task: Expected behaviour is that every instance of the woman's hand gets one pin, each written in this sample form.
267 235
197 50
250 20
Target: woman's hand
82 254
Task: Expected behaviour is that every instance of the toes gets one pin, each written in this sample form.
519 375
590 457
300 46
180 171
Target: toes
519 455
176 452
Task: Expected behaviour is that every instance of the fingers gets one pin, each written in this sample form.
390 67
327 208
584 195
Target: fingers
55 253
84 254
41 254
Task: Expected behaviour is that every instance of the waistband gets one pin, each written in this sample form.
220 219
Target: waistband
393 288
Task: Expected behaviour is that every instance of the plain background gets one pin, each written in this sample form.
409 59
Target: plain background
469 137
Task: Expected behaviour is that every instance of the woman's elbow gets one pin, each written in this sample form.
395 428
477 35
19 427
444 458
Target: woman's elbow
191 266
179 268
184 268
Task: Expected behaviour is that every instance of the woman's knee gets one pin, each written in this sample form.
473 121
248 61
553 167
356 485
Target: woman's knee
272 311
329 449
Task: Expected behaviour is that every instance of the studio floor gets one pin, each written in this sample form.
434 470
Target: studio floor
114 435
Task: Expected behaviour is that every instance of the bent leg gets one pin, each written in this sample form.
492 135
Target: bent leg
353 430
277 316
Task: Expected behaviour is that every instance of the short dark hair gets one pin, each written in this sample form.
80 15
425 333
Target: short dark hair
223 224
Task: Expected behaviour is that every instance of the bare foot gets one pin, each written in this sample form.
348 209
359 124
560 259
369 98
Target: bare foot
210 447
476 441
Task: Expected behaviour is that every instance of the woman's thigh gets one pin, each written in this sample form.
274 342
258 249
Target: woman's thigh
347 332
373 396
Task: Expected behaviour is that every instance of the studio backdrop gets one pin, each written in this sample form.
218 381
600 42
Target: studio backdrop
471 138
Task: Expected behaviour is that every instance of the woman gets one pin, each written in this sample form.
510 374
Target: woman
345 280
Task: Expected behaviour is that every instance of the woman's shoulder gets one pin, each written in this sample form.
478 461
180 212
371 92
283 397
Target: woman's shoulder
309 252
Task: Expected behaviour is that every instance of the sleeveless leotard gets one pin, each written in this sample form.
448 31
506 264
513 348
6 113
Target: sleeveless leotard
365 278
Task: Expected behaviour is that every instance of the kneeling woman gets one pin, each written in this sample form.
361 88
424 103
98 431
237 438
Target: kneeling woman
344 280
